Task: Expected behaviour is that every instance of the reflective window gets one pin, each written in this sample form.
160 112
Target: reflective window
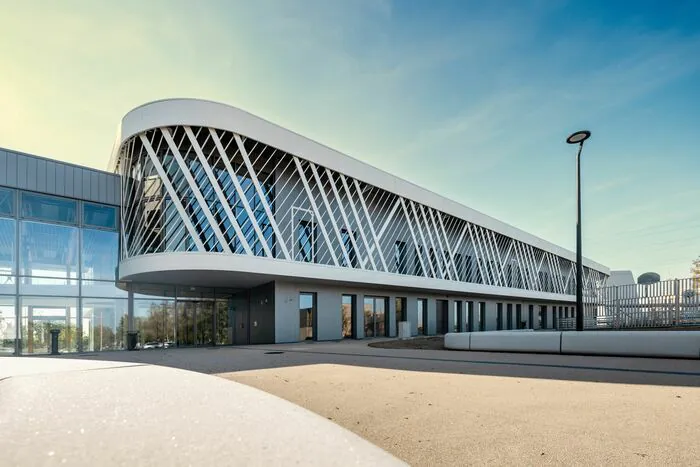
7 202
155 323
400 257
348 246
104 324
346 315
8 324
400 304
7 247
99 215
48 253
307 310
100 254
49 208
305 242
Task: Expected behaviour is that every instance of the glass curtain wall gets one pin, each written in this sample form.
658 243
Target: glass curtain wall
58 262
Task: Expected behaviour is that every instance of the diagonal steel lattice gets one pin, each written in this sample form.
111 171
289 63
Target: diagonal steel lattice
201 189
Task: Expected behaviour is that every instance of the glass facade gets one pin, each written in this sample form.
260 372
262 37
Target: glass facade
58 270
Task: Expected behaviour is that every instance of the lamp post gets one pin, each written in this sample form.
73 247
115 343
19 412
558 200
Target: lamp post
578 138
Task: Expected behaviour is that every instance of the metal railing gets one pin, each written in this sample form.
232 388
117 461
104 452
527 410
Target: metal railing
665 304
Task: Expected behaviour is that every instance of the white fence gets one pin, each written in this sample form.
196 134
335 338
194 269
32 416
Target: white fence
671 303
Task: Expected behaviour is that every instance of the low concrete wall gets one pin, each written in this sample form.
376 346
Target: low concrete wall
516 341
678 344
664 344
458 340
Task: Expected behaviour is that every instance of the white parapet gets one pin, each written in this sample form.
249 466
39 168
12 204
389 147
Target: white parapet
516 341
678 344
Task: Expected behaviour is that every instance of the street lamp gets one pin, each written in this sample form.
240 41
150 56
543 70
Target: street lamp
578 138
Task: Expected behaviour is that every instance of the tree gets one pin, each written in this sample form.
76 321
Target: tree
695 273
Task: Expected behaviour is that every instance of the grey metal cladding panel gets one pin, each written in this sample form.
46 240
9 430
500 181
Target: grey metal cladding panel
41 174
69 177
60 179
94 186
32 174
3 167
110 190
77 182
86 184
12 170
104 180
22 172
50 177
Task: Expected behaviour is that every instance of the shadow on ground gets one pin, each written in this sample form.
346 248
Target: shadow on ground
214 360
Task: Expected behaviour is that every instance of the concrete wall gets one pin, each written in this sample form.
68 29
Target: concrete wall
328 305
33 173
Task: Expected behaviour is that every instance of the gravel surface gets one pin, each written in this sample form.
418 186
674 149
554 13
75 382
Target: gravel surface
429 419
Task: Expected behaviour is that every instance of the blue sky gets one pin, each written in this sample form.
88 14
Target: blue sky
470 99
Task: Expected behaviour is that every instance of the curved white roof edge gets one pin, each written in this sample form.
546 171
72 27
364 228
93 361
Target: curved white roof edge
199 112
211 267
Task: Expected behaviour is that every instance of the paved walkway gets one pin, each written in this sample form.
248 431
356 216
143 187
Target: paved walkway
468 408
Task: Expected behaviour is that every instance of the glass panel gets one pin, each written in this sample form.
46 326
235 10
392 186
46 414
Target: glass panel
346 315
7 248
99 215
306 311
186 316
8 324
400 314
7 202
49 208
379 316
48 256
104 323
225 322
306 242
369 316
400 257
100 254
40 315
104 289
149 291
155 322
421 313
455 317
205 323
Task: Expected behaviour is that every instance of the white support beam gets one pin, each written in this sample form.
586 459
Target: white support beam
314 207
261 194
173 194
219 192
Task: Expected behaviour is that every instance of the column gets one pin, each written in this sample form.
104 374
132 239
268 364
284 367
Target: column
392 317
359 316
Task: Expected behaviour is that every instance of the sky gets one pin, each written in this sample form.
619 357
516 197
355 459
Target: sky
470 99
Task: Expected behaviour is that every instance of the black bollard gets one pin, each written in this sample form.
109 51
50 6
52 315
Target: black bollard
54 341
131 340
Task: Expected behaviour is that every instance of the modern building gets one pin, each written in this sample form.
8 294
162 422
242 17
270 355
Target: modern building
216 227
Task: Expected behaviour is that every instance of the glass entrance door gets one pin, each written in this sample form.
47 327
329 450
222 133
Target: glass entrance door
375 316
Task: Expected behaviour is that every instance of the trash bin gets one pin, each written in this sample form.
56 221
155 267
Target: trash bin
132 338
54 341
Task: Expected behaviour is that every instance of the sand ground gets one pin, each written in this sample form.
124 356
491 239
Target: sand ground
434 407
